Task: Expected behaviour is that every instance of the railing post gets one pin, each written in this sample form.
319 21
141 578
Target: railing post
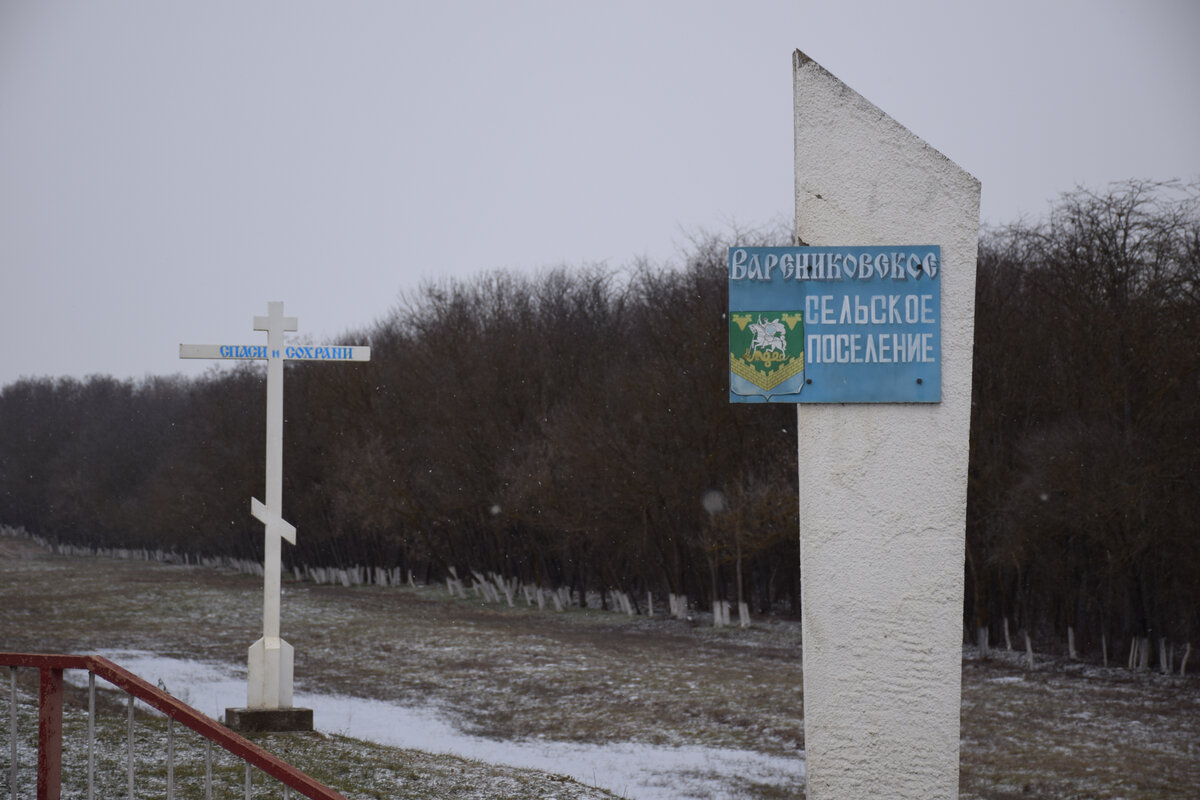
91 768
50 714
12 732
170 759
130 747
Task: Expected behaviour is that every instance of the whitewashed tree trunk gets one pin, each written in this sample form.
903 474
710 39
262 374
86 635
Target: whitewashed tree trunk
1007 637
679 606
1143 654
718 620
1071 654
1104 648
1164 658
649 604
981 641
743 616
1029 649
1183 662
1133 651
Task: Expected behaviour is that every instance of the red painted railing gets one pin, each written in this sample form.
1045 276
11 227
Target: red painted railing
50 727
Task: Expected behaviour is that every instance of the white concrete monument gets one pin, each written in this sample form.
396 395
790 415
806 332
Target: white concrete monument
271 658
883 486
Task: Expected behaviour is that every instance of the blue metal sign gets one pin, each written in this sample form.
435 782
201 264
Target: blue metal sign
835 324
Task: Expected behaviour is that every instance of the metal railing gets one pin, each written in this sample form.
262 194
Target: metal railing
50 729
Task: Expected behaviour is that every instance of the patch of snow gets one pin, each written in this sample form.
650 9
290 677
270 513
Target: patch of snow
633 770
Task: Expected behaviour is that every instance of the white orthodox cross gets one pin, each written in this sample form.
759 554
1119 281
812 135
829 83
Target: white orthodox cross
271 658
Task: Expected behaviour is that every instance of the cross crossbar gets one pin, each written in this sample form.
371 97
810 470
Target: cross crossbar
260 352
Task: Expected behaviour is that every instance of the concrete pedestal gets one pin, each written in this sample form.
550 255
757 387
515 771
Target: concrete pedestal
271 664
268 720
883 487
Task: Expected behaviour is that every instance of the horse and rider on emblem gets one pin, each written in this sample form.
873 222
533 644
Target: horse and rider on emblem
766 353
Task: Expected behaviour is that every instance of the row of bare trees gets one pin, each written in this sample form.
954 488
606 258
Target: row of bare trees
573 429
1085 460
561 429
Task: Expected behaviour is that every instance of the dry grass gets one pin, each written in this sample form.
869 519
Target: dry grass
586 676
1075 731
590 676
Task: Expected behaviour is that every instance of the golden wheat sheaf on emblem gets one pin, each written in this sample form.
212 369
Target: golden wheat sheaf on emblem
766 352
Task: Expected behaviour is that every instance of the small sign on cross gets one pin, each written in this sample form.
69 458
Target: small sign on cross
271 658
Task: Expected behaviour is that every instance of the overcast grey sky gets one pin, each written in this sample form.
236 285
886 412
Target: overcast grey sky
167 168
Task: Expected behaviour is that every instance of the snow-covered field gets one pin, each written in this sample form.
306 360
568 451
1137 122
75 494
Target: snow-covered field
642 707
633 770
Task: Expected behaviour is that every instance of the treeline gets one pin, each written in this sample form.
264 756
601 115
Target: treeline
573 429
562 430
1084 494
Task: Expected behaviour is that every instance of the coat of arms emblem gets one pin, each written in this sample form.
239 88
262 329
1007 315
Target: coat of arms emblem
766 353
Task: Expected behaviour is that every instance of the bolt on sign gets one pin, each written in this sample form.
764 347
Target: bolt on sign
835 324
